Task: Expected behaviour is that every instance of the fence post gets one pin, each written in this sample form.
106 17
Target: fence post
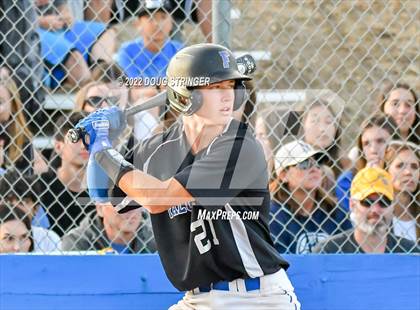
221 26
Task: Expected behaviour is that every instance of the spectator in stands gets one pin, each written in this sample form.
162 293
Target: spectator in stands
149 55
400 101
16 149
321 130
64 196
97 94
105 228
275 127
68 47
197 11
21 192
98 10
15 231
24 190
261 134
303 214
402 163
371 213
371 144
20 57
182 11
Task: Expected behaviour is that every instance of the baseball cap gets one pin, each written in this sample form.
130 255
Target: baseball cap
369 181
293 153
148 7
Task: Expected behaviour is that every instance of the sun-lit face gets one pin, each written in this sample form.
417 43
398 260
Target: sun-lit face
217 101
319 127
14 237
99 91
74 154
401 107
405 171
374 142
306 179
155 28
371 220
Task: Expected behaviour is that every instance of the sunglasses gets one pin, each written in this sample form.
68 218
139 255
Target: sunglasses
307 164
383 202
96 101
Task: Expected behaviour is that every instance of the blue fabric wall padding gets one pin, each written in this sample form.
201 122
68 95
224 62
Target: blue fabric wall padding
139 282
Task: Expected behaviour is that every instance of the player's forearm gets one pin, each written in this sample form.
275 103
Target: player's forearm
154 194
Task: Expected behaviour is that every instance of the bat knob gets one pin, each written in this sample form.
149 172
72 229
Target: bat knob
75 134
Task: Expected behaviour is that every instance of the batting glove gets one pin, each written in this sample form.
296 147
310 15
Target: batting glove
109 122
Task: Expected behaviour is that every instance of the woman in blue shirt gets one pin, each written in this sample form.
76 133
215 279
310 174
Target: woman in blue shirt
303 214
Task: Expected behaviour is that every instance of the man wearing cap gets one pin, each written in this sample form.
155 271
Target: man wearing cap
371 213
148 56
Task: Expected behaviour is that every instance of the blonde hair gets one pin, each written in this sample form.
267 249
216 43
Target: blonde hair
18 128
81 95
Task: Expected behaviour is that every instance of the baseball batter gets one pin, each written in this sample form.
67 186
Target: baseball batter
200 180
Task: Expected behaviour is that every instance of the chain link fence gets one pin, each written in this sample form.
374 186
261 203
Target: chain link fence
335 91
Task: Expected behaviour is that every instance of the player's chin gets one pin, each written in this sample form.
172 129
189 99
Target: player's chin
215 122
221 119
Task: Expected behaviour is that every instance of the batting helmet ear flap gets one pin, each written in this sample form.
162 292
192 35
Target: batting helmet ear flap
240 95
196 100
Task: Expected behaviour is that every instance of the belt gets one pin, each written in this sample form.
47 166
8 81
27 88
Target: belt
278 279
250 285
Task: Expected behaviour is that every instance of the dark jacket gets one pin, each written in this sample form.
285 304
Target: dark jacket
346 243
90 236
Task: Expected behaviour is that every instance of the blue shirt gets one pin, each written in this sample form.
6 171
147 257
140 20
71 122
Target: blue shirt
40 218
138 61
121 248
298 234
342 189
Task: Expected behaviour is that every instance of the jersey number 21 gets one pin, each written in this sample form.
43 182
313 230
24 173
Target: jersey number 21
204 244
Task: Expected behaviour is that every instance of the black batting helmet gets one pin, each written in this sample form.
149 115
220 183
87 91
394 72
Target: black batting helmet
193 65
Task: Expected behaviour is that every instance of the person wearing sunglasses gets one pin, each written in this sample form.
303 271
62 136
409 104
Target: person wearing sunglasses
371 206
96 95
303 214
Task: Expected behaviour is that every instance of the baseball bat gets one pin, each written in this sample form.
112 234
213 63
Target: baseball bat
246 65
76 134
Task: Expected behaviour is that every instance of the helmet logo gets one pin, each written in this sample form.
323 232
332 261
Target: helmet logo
225 58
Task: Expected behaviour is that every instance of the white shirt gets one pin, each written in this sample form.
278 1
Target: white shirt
45 240
405 229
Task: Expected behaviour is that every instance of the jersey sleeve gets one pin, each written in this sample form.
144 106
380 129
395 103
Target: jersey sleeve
232 165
